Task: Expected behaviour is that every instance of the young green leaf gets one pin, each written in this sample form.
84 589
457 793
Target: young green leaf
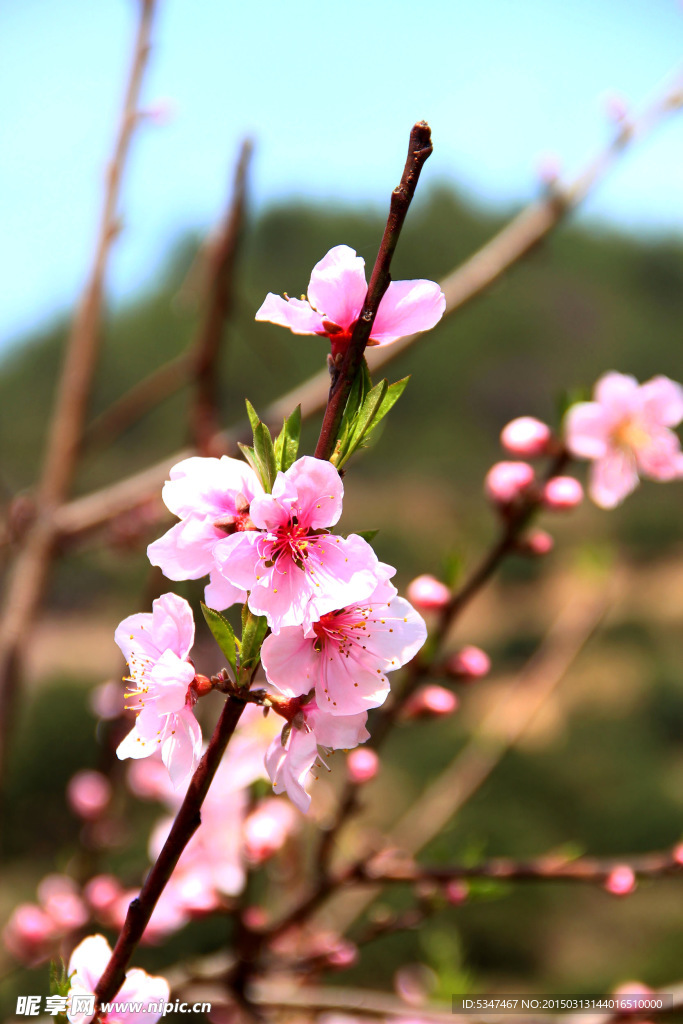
265 454
287 442
223 634
367 535
254 418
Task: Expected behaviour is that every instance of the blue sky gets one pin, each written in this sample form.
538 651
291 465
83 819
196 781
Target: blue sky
329 90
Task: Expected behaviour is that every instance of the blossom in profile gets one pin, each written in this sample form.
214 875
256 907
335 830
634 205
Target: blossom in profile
336 293
526 437
211 497
156 647
505 482
626 432
87 965
346 654
294 569
427 593
291 757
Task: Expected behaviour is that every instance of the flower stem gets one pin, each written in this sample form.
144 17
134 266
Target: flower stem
419 149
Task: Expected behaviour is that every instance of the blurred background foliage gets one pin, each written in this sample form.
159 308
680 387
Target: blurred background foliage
603 770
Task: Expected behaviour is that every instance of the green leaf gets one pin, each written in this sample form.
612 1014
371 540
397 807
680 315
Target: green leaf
265 455
250 456
223 634
367 535
367 413
391 397
453 568
254 418
287 442
253 633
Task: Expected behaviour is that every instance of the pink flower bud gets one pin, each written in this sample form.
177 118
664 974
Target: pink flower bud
430 701
457 892
538 542
506 481
469 663
621 880
28 932
88 794
562 493
678 853
526 436
102 892
362 765
426 592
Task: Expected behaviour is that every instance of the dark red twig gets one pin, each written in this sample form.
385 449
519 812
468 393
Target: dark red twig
187 821
419 149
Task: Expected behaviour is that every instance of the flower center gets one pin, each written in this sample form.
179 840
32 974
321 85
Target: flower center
342 628
630 434
292 541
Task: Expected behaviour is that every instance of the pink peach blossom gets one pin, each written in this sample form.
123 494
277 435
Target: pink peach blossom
291 757
427 593
526 436
294 569
538 542
506 481
61 900
626 432
336 293
362 765
29 933
346 654
211 497
86 967
156 647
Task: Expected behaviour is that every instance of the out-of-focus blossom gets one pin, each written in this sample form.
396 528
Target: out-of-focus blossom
430 701
102 892
427 593
537 542
29 933
61 900
457 892
346 653
469 662
294 569
562 493
267 828
506 481
87 965
548 169
156 647
107 700
336 293
362 765
88 793
621 880
626 432
526 437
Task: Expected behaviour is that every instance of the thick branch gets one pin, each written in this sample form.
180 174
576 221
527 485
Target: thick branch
186 823
419 149
66 430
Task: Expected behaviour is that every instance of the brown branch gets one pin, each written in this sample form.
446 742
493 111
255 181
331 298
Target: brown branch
541 869
200 359
64 439
419 150
206 349
464 284
185 825
149 392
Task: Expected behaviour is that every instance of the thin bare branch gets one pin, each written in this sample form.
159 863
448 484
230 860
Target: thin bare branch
31 568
